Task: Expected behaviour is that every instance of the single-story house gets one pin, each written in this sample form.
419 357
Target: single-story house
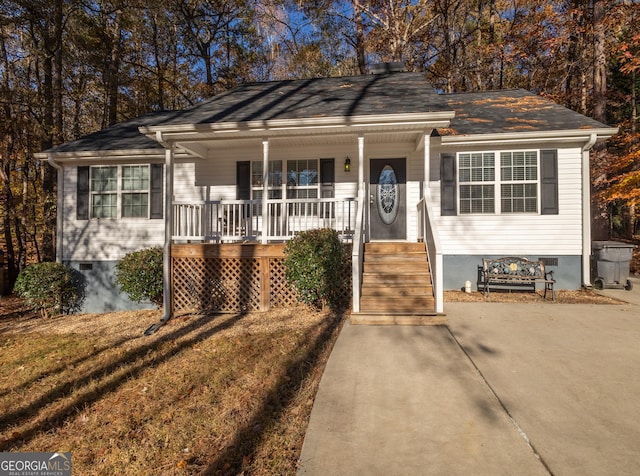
380 158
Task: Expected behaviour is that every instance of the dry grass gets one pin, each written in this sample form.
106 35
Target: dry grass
583 296
224 394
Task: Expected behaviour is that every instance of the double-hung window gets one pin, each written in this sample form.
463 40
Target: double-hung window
275 180
120 191
302 178
477 182
135 191
519 182
104 192
498 182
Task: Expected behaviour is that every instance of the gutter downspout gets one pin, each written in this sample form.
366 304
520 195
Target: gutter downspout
59 206
166 251
586 211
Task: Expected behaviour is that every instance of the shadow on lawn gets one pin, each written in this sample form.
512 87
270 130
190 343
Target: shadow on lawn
110 377
248 437
62 367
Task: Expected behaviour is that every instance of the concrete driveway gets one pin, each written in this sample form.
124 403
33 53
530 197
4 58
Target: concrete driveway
504 389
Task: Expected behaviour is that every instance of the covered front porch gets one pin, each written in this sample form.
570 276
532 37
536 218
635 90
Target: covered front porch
237 221
263 182
223 258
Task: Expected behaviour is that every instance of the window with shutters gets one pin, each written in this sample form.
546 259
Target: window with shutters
120 191
498 182
308 179
302 179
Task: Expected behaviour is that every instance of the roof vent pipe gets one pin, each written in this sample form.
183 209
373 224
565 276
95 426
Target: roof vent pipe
383 68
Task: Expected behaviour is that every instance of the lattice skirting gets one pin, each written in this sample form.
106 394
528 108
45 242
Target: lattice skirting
231 278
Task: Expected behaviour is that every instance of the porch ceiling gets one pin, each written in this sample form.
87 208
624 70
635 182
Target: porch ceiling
201 146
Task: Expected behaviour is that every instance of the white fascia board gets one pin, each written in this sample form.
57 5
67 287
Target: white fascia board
529 137
105 155
183 132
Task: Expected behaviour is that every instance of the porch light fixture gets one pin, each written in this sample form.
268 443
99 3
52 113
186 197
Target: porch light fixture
347 164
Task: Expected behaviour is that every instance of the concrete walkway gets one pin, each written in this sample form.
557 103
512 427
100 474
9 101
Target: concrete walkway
508 389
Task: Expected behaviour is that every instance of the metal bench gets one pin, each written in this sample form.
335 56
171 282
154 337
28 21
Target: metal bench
514 273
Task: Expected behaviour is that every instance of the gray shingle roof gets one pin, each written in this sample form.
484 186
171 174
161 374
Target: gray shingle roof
392 93
396 93
511 111
122 136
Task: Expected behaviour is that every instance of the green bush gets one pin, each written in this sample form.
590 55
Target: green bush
316 265
139 275
50 288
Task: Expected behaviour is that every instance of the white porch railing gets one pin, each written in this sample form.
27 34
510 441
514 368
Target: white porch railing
241 220
427 231
357 252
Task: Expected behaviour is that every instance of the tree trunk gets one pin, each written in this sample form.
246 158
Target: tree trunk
48 172
634 103
600 62
360 50
10 258
114 71
159 63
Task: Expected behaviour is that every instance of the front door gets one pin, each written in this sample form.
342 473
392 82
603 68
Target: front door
387 199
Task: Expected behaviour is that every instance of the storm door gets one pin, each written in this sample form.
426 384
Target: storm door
387 199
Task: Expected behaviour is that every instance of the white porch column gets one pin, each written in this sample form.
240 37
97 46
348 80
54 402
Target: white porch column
360 160
265 190
427 161
168 231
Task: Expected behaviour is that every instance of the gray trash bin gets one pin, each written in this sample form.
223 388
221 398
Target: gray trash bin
612 259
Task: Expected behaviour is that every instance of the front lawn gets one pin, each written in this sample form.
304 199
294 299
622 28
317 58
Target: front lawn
220 394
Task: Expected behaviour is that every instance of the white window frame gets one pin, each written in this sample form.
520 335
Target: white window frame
275 180
526 168
294 186
118 192
278 179
479 176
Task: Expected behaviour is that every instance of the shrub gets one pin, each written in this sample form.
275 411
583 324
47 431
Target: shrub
50 288
316 265
139 275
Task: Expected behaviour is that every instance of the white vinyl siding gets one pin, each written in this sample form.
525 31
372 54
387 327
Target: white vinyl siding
102 240
119 191
215 176
520 234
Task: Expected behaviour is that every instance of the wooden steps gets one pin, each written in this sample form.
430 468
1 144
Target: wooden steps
396 286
